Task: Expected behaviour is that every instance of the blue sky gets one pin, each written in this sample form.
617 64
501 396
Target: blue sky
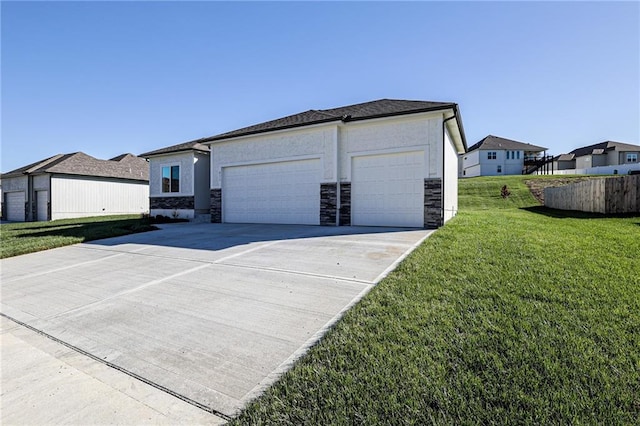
112 77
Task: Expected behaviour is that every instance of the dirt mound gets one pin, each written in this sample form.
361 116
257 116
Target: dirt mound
537 186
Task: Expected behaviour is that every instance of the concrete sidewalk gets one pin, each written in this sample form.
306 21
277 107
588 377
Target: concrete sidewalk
205 315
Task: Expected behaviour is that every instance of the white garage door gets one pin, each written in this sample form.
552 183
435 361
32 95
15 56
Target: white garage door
42 198
15 206
388 189
284 192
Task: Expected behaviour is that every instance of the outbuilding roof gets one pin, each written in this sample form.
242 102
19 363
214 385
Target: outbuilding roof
181 147
361 111
496 142
125 166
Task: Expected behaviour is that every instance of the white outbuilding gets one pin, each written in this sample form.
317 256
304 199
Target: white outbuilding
75 185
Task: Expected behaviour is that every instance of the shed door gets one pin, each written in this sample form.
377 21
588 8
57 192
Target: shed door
42 199
388 189
15 206
283 192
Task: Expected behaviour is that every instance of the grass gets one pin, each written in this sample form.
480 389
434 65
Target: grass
29 237
510 314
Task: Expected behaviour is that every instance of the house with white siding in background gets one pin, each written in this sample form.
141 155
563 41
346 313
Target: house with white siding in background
496 156
387 162
75 185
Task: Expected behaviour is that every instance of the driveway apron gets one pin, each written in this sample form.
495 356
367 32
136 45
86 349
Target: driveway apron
211 314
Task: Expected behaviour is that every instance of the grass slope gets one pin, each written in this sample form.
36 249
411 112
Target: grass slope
29 237
509 314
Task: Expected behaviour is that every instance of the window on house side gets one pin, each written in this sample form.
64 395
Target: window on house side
499 169
508 154
632 158
491 155
518 154
171 179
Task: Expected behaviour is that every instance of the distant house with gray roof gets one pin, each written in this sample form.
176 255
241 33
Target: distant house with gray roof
497 156
75 185
607 153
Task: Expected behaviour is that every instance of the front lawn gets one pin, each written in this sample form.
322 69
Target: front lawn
29 237
511 313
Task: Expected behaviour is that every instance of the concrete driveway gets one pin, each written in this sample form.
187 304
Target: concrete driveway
177 324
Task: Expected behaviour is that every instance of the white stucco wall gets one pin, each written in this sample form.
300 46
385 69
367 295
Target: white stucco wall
450 202
76 196
12 184
311 142
186 162
41 182
417 132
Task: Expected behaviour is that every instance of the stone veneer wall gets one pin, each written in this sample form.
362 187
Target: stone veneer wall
171 203
328 203
433 203
216 205
345 204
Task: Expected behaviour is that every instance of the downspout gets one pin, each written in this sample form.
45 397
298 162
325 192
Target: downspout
444 122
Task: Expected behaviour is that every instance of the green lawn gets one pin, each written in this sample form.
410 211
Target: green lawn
29 237
510 314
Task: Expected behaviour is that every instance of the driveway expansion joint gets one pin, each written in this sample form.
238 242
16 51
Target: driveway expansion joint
184 398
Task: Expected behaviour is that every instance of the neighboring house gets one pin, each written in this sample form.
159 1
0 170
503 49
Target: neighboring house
381 163
75 185
602 154
496 156
179 184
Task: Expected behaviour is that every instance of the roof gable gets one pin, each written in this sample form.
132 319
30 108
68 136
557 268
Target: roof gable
125 166
361 111
603 147
498 143
181 147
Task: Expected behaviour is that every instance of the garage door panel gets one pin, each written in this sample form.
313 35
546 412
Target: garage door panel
42 200
15 206
388 189
283 192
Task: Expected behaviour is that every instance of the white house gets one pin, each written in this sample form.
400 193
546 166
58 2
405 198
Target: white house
179 184
381 163
496 156
75 185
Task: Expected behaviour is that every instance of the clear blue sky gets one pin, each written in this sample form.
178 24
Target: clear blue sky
112 77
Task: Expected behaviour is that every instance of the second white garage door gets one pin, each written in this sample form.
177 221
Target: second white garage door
284 192
388 189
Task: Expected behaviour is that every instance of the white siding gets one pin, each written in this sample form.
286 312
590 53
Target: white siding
186 162
450 202
81 197
41 182
471 164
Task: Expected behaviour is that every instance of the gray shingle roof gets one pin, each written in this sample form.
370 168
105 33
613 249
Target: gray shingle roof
125 166
187 146
602 147
362 111
496 142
